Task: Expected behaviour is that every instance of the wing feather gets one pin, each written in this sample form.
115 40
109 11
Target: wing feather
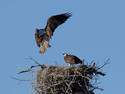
54 21
37 38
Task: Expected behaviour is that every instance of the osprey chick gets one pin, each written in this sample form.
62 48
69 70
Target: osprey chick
71 59
42 36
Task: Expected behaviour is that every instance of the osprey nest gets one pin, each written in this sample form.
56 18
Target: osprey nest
66 80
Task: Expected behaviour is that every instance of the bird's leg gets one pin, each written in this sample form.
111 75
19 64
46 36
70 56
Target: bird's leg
70 65
40 44
47 39
40 47
49 44
83 62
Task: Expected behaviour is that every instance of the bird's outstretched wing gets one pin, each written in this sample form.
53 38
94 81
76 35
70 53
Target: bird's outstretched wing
54 21
37 38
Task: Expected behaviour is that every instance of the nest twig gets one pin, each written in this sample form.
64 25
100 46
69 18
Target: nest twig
66 80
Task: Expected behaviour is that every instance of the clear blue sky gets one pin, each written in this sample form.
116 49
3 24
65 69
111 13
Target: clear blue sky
96 31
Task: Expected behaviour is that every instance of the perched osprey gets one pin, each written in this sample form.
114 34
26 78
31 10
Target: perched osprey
71 59
42 36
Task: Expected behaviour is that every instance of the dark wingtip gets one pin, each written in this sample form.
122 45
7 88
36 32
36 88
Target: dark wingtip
68 14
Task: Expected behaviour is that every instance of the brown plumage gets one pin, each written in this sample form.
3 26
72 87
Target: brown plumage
42 36
54 21
72 59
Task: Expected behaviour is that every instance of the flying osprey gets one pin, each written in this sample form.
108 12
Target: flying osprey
42 36
72 59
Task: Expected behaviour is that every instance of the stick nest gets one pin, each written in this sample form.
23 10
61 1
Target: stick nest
66 80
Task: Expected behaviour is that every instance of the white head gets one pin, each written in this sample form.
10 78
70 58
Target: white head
64 54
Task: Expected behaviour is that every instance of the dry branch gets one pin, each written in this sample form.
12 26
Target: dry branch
66 80
31 67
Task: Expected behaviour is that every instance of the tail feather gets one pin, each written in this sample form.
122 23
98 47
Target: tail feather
45 45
